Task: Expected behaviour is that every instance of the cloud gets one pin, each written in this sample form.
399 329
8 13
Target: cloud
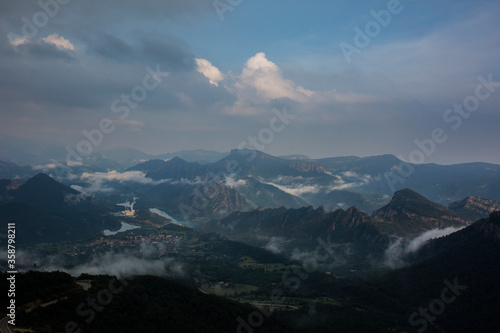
128 176
211 72
339 257
148 259
45 167
275 245
97 180
397 251
125 265
103 181
231 182
19 41
360 107
354 180
297 191
50 47
261 83
420 241
263 79
59 42
76 198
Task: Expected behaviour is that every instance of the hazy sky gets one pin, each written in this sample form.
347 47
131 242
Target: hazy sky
359 77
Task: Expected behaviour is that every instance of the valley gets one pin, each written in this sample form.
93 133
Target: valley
254 238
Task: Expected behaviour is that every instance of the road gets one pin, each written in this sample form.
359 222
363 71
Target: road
4 328
275 305
85 285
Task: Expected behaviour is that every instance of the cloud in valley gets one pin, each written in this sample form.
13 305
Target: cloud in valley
397 251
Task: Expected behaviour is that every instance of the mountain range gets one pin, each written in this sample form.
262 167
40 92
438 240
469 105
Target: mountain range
268 181
261 217
244 180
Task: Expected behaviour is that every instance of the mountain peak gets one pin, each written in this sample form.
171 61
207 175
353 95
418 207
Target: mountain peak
407 193
249 154
43 180
410 213
405 200
177 168
44 191
176 159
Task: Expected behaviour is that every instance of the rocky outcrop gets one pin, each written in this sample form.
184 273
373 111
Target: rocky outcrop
474 208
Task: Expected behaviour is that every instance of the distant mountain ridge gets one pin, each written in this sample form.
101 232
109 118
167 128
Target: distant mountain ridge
271 182
257 163
474 208
177 168
10 170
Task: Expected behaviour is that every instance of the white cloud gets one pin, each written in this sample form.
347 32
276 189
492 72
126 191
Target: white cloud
128 176
275 244
74 163
123 264
397 250
350 174
297 191
265 80
341 184
420 241
262 81
19 41
45 167
59 41
212 73
54 39
233 183
97 180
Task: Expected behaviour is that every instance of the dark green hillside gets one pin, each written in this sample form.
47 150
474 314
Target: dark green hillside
183 200
265 195
145 304
470 257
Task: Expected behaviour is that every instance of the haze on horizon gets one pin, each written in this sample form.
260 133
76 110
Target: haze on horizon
67 66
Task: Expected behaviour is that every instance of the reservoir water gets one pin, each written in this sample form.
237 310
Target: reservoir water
186 223
125 227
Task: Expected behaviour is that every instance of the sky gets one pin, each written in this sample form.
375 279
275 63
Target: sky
416 79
